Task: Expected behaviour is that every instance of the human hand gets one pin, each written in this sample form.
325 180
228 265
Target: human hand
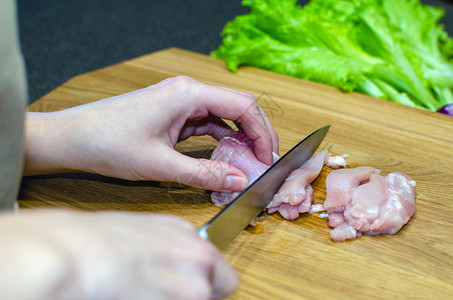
132 136
55 254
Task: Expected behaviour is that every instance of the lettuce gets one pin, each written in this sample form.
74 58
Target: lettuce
392 49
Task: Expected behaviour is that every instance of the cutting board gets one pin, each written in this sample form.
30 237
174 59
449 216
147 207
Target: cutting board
279 259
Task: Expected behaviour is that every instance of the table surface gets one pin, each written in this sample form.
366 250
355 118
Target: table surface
279 259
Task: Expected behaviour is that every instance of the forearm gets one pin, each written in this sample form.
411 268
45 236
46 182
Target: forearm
49 143
31 267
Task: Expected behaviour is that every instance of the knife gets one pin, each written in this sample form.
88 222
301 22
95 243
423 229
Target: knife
235 217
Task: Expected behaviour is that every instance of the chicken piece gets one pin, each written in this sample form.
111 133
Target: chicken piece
292 211
295 196
315 208
400 205
361 201
343 232
342 183
335 219
237 149
335 162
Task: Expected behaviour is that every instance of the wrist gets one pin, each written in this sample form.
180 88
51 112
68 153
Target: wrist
32 261
48 143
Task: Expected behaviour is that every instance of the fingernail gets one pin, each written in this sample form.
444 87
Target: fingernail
235 183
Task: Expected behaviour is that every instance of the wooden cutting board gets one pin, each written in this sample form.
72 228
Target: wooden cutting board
279 259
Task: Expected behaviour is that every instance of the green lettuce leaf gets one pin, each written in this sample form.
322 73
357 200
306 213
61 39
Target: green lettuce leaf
392 49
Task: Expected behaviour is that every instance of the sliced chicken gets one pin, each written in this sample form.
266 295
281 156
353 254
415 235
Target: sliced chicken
361 201
237 150
295 196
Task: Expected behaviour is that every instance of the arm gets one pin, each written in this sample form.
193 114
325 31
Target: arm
132 136
50 143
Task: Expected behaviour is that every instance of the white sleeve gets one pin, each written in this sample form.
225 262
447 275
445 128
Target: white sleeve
13 98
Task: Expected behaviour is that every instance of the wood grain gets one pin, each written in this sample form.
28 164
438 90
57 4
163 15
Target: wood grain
279 259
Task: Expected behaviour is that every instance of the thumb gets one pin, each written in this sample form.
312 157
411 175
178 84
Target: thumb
206 174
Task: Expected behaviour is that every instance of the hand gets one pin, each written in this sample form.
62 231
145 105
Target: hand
53 254
132 136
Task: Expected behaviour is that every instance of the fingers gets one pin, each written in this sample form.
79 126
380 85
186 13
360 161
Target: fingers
214 270
203 173
211 125
256 113
224 279
236 106
275 141
253 123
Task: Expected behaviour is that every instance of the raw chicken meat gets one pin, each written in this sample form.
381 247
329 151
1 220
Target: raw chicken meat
342 183
295 196
361 201
316 208
335 162
237 149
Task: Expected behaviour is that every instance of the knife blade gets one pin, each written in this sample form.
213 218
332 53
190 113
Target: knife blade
235 217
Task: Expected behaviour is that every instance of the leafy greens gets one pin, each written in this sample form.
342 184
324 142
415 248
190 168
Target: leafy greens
392 49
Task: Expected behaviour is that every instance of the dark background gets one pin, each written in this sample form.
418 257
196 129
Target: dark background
61 39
